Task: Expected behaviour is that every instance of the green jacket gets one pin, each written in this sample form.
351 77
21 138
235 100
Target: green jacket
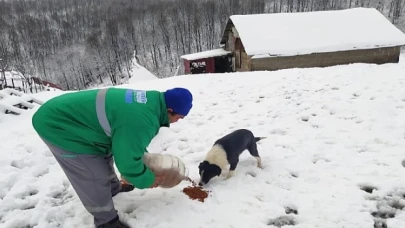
71 122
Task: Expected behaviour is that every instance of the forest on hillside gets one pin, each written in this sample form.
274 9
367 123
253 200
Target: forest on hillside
77 43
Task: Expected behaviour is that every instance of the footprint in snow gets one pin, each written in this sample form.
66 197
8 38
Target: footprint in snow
316 126
285 220
317 159
28 206
61 196
129 209
278 132
261 122
252 174
18 164
200 123
387 207
178 130
27 193
183 139
28 226
368 188
40 172
182 146
291 210
380 223
356 95
295 175
384 214
305 118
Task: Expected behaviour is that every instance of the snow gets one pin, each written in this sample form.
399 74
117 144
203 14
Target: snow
10 98
140 73
330 131
287 34
206 54
137 73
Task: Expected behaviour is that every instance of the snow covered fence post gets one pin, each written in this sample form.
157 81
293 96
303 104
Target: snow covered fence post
3 73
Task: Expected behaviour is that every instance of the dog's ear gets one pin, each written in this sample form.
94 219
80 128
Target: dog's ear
217 170
202 164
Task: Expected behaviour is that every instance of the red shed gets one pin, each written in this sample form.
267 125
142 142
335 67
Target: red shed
212 61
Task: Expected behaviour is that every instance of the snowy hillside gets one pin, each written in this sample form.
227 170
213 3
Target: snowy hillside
334 134
136 73
140 73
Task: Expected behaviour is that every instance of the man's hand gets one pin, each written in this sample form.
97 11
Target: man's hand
155 184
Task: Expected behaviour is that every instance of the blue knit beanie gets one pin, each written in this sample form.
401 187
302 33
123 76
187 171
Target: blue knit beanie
179 99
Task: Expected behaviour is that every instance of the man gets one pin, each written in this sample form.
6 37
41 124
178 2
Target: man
87 130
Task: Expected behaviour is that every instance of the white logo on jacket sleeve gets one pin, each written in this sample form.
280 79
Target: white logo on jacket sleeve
138 96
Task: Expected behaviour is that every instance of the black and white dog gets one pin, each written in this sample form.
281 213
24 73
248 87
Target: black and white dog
226 151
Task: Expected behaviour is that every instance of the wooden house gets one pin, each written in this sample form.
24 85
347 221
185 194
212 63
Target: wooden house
212 61
310 39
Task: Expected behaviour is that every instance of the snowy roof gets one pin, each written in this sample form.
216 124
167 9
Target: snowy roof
286 34
205 54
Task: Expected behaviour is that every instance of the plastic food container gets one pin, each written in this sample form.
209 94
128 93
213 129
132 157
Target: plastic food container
157 162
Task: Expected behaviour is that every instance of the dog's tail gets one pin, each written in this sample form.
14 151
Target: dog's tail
257 139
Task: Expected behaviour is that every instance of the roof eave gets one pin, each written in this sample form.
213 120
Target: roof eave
348 49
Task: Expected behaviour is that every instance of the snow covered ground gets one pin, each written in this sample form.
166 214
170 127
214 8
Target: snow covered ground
139 73
14 101
331 133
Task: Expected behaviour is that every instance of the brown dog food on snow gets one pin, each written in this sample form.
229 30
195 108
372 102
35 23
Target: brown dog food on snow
195 192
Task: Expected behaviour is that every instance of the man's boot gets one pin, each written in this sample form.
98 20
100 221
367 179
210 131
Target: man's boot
115 223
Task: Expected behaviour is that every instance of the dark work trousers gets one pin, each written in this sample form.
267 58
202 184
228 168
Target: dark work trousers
94 180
